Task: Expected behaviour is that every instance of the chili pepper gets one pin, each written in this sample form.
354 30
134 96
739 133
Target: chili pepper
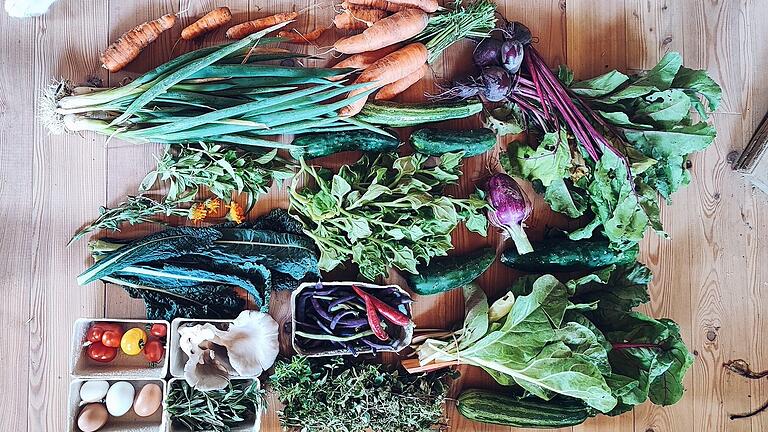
373 319
390 313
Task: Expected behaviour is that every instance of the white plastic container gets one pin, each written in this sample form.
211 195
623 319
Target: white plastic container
130 422
252 424
403 341
123 366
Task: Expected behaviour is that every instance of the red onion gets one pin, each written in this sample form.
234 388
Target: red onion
510 208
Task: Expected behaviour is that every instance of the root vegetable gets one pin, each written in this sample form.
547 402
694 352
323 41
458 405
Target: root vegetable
294 37
428 6
130 44
395 28
365 59
242 30
209 22
358 18
389 91
390 68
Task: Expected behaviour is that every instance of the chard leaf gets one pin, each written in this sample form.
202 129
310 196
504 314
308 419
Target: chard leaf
507 119
601 85
548 162
678 141
171 243
563 199
698 82
584 343
667 109
620 118
632 92
476 312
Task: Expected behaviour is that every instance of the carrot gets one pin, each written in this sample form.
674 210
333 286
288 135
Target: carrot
298 38
390 30
242 30
209 22
129 45
390 68
365 59
375 4
358 18
389 91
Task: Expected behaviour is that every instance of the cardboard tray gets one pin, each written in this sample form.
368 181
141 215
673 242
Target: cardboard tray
403 341
123 366
250 425
130 422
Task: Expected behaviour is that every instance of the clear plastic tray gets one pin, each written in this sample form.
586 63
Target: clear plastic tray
252 424
130 422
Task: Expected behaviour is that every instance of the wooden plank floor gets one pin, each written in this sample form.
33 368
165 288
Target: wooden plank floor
711 277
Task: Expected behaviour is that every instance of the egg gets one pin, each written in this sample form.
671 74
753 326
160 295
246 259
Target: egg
92 417
148 400
93 391
120 398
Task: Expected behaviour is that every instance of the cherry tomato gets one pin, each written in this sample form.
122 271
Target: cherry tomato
158 330
94 334
154 351
133 341
111 338
100 353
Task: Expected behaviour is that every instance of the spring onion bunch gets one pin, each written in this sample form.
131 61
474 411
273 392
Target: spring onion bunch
220 94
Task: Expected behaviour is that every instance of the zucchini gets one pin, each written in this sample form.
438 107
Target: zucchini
490 407
316 145
563 255
436 142
395 114
447 273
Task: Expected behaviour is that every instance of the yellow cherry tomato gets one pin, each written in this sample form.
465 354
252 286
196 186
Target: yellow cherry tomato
133 341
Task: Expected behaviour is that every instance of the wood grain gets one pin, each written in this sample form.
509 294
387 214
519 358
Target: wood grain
710 276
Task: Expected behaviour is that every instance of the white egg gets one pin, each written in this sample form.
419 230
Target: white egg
120 398
93 391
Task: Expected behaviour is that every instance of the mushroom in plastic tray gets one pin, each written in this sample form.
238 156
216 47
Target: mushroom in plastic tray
337 318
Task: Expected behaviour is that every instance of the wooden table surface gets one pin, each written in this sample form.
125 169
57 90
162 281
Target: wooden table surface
708 277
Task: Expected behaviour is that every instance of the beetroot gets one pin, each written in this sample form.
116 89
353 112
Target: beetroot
510 208
487 53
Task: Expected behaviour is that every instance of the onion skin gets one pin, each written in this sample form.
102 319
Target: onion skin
510 208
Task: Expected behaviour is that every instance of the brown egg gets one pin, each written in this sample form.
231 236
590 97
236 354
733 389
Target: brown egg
148 400
92 417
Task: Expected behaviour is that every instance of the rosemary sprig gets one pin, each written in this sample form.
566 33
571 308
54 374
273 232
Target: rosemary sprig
134 210
215 410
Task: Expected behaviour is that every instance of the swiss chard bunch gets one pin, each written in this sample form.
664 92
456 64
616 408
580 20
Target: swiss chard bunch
385 211
579 339
648 124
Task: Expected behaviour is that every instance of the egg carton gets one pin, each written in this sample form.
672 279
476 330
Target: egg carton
178 357
404 339
252 424
123 366
130 422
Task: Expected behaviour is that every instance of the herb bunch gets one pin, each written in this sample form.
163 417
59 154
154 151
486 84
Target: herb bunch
216 410
385 211
334 396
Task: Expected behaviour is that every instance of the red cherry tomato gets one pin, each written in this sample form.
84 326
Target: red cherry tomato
111 338
115 327
158 330
94 334
100 353
154 351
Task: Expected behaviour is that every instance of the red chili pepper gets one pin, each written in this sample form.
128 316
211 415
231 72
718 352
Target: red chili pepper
390 313
373 320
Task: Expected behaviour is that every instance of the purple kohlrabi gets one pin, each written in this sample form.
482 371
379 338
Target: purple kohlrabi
510 208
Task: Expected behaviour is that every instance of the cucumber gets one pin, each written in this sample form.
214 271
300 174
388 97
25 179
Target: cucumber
436 142
562 255
490 407
447 273
316 145
395 114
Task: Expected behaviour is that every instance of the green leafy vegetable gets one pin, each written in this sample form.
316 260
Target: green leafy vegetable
214 410
385 211
653 115
331 396
579 339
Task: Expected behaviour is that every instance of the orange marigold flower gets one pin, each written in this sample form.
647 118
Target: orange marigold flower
212 204
236 213
197 212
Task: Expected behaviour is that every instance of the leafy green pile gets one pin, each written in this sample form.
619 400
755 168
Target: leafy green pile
385 211
331 396
197 272
214 410
579 339
650 121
